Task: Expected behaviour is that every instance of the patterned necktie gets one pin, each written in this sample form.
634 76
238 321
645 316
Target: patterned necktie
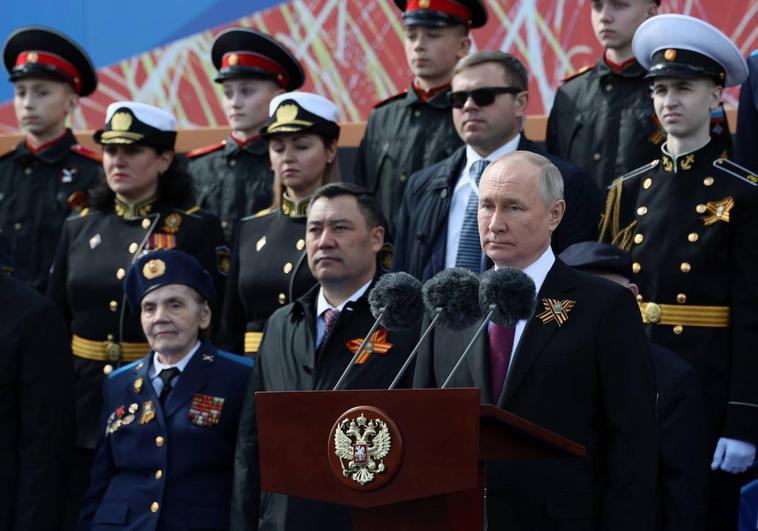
501 343
469 249
166 375
330 319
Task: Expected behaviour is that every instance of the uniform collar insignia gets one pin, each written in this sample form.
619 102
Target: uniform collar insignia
377 343
209 358
556 310
295 209
136 210
716 211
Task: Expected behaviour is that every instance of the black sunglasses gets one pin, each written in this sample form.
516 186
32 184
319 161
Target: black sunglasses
482 96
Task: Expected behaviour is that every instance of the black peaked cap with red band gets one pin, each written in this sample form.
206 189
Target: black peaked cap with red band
439 13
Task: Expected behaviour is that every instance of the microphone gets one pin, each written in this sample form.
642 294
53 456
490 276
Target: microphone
508 296
395 302
451 297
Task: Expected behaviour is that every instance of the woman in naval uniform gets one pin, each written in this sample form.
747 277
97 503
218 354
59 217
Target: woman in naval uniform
143 204
268 268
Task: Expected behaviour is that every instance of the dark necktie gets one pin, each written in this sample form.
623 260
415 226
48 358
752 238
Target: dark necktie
469 248
166 375
501 343
330 319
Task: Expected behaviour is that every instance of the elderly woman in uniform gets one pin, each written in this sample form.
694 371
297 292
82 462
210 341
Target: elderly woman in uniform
143 205
169 422
268 268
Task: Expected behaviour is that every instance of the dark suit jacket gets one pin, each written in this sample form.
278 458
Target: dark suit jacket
589 380
421 235
194 454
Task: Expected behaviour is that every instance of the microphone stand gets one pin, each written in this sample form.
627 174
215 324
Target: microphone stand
412 355
360 350
486 321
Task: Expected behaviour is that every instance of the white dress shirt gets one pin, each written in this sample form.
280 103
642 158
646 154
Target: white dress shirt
322 305
157 367
465 185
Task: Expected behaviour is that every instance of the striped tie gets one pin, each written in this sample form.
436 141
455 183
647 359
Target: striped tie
469 249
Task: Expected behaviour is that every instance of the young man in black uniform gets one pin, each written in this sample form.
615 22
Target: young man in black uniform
232 179
414 129
48 173
688 221
308 344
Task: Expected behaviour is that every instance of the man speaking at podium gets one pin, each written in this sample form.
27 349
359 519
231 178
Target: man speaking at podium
579 367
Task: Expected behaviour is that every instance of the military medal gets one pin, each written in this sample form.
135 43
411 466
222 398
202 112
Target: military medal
171 225
138 383
205 410
148 412
716 211
556 310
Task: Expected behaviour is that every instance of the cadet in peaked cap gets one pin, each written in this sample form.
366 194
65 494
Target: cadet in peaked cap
232 178
688 221
437 13
269 269
47 175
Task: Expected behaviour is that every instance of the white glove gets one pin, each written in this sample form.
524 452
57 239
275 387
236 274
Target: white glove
733 456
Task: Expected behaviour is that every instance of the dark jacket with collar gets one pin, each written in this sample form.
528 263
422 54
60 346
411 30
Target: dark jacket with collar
422 225
289 361
588 379
232 181
403 135
167 467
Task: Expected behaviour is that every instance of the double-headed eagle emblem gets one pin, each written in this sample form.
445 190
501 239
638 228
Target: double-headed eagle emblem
361 445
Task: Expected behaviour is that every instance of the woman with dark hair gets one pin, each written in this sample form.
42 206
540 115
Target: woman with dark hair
268 268
144 204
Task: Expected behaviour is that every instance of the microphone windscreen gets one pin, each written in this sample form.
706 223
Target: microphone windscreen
511 291
400 295
456 291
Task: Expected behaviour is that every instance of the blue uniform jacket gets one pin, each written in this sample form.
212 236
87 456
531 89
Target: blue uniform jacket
169 468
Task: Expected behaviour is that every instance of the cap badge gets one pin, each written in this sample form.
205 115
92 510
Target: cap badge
669 55
423 4
286 113
121 121
154 269
32 57
556 310
233 59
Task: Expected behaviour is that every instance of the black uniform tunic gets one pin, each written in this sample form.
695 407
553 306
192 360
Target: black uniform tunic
232 180
86 284
690 228
404 134
269 269
37 191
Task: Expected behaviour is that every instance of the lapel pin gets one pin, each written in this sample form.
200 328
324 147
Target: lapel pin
556 310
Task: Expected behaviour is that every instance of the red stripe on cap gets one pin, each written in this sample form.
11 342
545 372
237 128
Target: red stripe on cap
254 60
443 6
50 59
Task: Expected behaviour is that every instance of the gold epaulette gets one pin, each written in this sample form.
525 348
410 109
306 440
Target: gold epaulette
262 213
582 70
192 210
84 212
735 170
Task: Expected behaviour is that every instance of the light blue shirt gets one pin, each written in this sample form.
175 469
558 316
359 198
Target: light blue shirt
157 367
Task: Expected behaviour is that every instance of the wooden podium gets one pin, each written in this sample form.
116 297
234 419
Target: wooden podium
433 473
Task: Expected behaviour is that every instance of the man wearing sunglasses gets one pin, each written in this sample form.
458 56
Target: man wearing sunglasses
413 129
437 224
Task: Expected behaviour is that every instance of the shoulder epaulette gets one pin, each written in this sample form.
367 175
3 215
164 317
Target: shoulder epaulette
205 150
264 212
6 153
398 96
124 368
735 170
194 210
582 70
235 358
86 152
84 212
635 173
754 53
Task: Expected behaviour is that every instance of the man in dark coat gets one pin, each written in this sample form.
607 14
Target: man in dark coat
437 223
413 129
747 117
36 409
308 344
47 175
580 367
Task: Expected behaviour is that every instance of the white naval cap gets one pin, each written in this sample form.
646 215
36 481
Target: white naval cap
294 112
675 45
132 122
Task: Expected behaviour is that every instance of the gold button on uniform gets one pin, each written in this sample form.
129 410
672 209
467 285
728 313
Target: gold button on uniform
642 211
681 298
282 298
708 181
159 441
120 273
300 244
417 113
154 507
678 329
133 247
647 183
685 267
638 238
107 369
146 223
700 209
158 474
636 267
597 156
113 305
403 177
233 163
693 237
639 297
287 268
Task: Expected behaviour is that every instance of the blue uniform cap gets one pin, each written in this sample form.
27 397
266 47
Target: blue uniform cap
598 257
